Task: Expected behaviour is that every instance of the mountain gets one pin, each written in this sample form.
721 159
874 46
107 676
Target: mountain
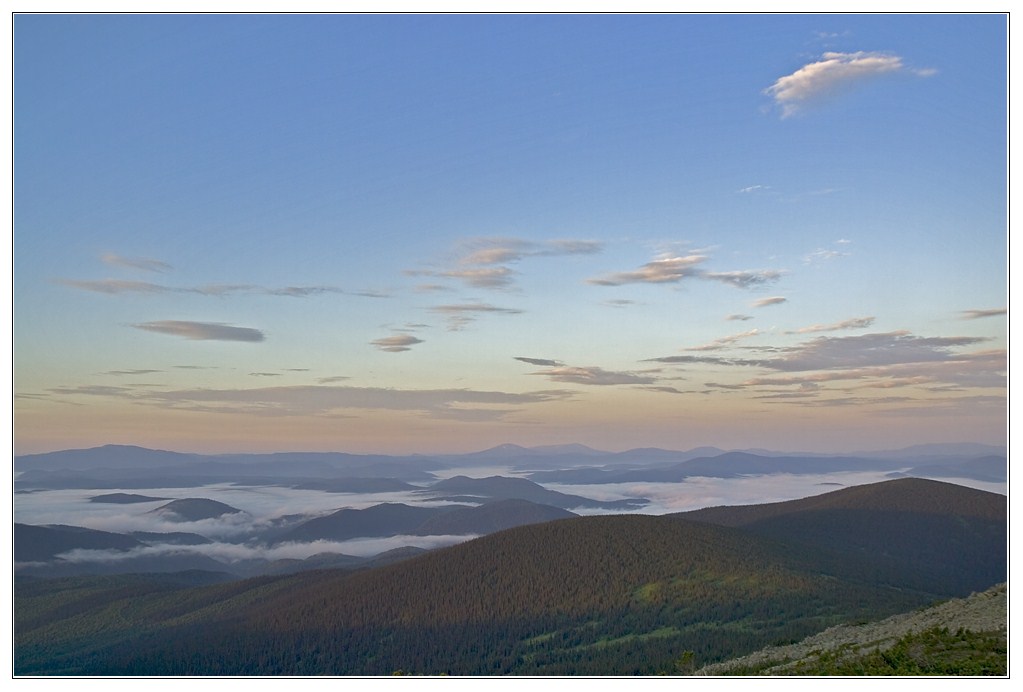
124 498
990 469
388 519
194 509
506 488
42 543
490 517
928 533
597 595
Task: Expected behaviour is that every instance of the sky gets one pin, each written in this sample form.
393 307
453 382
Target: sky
440 233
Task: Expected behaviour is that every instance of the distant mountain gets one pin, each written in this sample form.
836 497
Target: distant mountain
388 519
194 509
124 498
490 517
989 469
341 561
108 456
598 595
170 537
507 488
44 543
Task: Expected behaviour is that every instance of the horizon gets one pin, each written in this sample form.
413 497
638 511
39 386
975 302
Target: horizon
398 234
554 448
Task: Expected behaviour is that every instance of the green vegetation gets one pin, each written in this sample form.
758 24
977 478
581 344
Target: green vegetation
611 595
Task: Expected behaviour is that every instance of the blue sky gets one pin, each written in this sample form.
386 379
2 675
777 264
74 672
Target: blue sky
441 233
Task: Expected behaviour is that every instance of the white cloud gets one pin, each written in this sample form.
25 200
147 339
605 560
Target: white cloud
659 271
774 300
832 73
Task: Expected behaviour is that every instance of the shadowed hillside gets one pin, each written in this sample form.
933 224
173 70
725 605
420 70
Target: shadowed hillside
610 595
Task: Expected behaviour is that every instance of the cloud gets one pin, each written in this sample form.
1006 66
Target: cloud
821 255
539 361
774 300
119 286
143 263
202 331
672 269
744 279
503 250
333 378
704 360
594 376
854 323
619 303
477 259
491 277
459 316
824 353
264 374
831 74
978 314
115 286
396 343
660 271
753 188
740 318
331 401
129 372
725 341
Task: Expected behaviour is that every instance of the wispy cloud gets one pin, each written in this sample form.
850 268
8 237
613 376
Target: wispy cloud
539 361
396 343
659 271
202 331
143 263
594 376
488 277
458 316
673 269
330 401
830 352
129 372
738 318
619 303
479 261
504 250
832 73
978 314
725 341
120 286
744 279
115 286
854 323
773 300
753 188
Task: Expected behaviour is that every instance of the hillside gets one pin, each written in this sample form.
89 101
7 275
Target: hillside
602 595
879 648
905 529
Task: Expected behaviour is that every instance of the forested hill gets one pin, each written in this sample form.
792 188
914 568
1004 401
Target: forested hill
914 531
610 595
